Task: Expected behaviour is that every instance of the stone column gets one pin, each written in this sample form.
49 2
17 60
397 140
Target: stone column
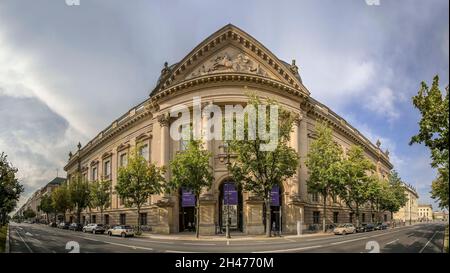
166 204
303 151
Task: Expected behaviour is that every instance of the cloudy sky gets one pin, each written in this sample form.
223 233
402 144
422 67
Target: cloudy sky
66 72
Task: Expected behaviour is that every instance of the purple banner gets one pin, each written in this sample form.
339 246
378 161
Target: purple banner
187 198
275 194
230 196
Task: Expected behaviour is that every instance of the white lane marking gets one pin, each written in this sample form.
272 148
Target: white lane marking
28 234
29 249
117 244
392 242
423 248
150 241
290 240
228 242
199 244
176 251
347 241
288 250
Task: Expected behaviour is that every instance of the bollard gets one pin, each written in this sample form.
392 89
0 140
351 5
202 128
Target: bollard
299 228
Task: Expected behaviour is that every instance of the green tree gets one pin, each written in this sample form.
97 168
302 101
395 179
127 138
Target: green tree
395 197
137 181
100 195
355 179
258 169
61 200
323 162
10 188
79 194
29 213
434 133
46 205
190 169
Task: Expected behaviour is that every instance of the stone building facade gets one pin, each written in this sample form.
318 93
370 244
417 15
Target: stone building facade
409 213
425 212
220 71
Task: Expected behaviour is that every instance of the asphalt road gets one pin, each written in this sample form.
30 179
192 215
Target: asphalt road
419 238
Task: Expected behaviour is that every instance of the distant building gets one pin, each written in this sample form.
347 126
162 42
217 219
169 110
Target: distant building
425 212
35 200
410 212
440 215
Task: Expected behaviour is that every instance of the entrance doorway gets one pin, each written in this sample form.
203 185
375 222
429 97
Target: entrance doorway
186 210
276 214
230 206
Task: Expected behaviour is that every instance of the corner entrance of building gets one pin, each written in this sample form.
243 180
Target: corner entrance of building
187 210
230 206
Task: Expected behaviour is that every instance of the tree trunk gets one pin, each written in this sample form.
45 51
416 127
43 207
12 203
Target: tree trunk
48 219
324 220
138 220
197 218
78 216
357 216
101 215
268 218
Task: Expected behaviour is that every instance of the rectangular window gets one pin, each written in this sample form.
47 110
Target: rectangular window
143 219
315 197
335 217
107 170
350 216
123 219
94 219
94 173
363 217
144 152
316 217
385 218
120 201
183 144
373 217
106 219
123 160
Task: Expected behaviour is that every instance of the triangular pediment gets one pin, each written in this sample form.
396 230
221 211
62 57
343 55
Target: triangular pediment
231 59
230 50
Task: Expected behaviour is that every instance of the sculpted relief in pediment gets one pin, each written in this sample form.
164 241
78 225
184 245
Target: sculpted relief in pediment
230 60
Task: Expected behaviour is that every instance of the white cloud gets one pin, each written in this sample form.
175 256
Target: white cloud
383 103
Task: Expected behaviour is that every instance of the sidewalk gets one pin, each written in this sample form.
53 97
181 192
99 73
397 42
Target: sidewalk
221 237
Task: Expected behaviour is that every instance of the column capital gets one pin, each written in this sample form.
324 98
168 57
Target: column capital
164 120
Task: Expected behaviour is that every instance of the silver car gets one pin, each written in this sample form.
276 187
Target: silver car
344 229
94 228
121 230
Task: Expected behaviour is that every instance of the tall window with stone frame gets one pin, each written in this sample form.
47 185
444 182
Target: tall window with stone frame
107 169
335 217
143 219
123 160
315 197
144 151
94 173
316 217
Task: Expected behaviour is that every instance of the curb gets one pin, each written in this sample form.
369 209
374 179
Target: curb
7 240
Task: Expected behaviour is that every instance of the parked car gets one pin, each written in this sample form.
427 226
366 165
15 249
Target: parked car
121 230
365 227
53 224
344 229
63 225
381 226
76 227
94 228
